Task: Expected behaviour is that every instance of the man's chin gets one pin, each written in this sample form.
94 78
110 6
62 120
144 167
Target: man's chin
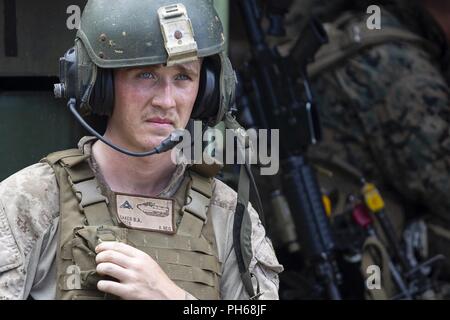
155 141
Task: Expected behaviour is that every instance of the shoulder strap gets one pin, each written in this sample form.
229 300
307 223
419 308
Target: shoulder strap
242 225
242 231
83 182
348 41
80 202
207 170
198 197
55 157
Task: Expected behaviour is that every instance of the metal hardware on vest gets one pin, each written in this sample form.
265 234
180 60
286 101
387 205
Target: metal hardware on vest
197 204
88 193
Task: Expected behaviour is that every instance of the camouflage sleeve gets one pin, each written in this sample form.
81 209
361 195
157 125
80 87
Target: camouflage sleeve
403 105
264 264
29 202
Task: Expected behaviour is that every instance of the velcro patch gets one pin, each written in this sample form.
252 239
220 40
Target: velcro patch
144 213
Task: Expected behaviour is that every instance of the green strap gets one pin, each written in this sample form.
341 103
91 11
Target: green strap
55 157
190 225
242 226
84 185
242 232
207 170
97 214
196 204
199 194
201 184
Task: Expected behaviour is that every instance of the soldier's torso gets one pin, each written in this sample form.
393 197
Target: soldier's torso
175 232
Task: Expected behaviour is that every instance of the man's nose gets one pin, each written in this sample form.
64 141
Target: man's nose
164 97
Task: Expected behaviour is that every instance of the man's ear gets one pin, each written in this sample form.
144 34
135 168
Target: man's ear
102 95
207 102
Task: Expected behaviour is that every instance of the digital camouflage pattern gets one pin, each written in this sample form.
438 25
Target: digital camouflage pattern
386 112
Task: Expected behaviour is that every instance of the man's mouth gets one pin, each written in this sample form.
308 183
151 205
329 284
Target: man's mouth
159 121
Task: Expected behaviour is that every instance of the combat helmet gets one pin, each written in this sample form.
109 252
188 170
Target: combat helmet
131 33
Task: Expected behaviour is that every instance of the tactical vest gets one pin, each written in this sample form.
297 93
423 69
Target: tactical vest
87 217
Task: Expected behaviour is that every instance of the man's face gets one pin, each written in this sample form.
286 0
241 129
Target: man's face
152 101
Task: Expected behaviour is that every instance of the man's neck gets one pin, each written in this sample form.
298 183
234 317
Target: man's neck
146 176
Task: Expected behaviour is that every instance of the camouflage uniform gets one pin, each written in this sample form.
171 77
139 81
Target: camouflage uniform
385 110
29 213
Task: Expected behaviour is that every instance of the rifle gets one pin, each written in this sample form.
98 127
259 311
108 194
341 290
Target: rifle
269 87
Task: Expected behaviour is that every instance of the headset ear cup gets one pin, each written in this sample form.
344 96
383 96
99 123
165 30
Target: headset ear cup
206 106
102 95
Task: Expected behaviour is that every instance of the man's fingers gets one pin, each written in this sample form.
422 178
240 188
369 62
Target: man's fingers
113 270
114 257
118 246
114 288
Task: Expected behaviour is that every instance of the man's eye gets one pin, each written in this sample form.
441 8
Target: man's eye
146 75
183 77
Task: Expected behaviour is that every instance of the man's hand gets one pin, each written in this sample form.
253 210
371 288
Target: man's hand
138 275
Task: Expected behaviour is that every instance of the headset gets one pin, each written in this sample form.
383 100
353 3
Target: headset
206 105
97 97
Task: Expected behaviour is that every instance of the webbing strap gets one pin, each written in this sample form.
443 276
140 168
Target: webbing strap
197 204
356 38
188 273
186 258
242 228
190 225
97 214
92 202
242 222
84 185
176 241
55 157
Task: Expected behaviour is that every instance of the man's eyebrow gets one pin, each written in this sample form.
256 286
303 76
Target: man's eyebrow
189 69
184 68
